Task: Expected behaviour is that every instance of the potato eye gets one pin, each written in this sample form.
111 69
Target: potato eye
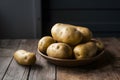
77 54
57 47
25 57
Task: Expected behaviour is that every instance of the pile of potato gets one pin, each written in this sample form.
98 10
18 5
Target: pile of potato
69 42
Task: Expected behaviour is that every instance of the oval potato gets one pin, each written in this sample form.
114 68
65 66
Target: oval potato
66 33
87 33
24 58
59 50
85 50
44 42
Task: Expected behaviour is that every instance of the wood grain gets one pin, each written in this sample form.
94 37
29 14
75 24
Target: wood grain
16 71
6 54
9 43
96 70
4 64
105 68
43 70
85 74
112 45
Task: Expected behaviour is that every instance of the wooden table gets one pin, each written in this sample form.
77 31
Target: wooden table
107 68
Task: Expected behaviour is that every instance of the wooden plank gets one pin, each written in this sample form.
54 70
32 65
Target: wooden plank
4 64
42 70
6 52
8 46
112 46
16 71
6 55
9 43
102 69
79 73
4 43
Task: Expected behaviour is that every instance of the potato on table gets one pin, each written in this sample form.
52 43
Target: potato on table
24 57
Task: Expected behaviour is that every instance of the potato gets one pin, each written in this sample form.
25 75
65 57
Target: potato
85 50
99 44
59 50
87 34
44 42
24 58
66 33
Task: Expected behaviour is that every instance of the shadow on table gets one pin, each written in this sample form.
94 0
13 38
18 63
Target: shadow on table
106 59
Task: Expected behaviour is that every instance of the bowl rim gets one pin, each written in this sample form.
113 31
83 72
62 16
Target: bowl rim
73 60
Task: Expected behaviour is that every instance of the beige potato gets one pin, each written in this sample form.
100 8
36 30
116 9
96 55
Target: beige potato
59 50
85 50
44 42
24 58
87 34
66 33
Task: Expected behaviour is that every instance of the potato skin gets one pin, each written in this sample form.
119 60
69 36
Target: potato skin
85 50
59 50
99 44
66 33
24 58
87 33
44 42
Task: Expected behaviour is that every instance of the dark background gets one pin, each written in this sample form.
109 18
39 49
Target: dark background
34 18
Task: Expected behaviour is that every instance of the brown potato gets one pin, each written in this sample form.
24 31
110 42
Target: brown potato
24 58
59 50
66 33
99 44
85 50
87 34
44 42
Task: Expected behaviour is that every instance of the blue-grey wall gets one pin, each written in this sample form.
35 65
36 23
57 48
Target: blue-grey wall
20 18
101 16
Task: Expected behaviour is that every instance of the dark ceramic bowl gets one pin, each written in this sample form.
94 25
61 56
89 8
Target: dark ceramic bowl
71 62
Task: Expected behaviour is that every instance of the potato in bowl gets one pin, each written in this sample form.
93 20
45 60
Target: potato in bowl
44 42
66 33
73 46
60 50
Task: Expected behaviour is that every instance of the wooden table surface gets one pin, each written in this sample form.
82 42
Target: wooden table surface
107 68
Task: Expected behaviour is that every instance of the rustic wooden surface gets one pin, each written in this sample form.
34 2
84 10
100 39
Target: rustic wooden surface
107 68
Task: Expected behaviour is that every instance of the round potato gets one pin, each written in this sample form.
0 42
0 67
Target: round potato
44 42
24 58
85 50
59 50
66 33
87 34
